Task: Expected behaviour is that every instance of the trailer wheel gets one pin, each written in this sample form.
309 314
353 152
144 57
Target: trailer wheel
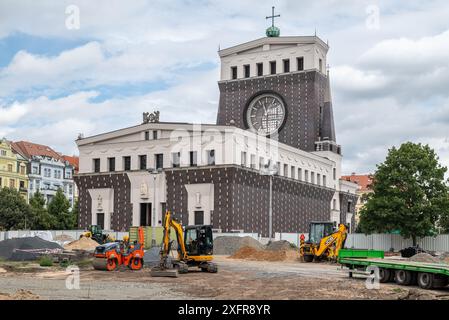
404 277
384 275
425 280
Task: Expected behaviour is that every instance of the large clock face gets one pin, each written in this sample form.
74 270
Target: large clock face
265 114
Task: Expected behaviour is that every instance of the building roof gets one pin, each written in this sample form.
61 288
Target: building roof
29 149
363 180
73 160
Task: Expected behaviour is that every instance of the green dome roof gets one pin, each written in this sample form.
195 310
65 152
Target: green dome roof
273 31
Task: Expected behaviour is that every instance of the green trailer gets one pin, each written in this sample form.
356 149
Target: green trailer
401 271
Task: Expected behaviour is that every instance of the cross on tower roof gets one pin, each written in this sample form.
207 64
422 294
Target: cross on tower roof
273 16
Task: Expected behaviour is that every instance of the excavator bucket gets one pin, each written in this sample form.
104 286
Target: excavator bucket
158 272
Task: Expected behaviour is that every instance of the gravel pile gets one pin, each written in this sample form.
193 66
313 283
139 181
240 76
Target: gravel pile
248 253
279 245
424 257
229 245
444 257
11 249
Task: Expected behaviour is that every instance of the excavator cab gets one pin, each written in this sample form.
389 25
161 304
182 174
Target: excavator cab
199 240
319 230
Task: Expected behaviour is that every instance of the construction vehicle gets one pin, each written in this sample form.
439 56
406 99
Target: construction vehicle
324 241
195 249
110 256
372 263
96 233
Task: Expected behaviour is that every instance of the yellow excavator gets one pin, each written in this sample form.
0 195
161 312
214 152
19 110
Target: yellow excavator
195 249
324 241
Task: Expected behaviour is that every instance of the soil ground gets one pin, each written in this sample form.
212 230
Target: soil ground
236 279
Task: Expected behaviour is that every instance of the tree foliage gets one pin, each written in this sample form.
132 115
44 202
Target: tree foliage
59 209
410 193
42 219
15 213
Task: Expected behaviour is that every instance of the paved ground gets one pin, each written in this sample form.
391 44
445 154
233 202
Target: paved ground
236 279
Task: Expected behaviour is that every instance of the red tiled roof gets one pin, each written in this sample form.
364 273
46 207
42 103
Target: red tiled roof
29 149
73 160
363 180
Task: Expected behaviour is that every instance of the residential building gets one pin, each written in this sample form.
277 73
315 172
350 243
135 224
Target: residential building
13 169
364 182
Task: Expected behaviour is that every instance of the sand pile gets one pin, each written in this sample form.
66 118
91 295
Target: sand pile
424 257
444 257
231 244
249 253
18 249
84 243
63 237
279 245
19 295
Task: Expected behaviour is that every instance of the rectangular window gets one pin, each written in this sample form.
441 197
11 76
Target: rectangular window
193 159
285 170
246 69
324 180
318 179
154 134
127 163
320 62
260 69
35 170
286 63
253 161
306 175
3 153
159 160
147 135
210 157
111 164
96 165
10 167
272 67
234 72
334 172
312 177
22 170
12 183
300 63
22 184
143 162
176 159
261 163
278 167
70 189
349 206
293 172
299 174
334 204
243 159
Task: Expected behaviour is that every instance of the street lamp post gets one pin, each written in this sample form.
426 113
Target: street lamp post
154 173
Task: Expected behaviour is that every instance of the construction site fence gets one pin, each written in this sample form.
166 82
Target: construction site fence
52 234
385 242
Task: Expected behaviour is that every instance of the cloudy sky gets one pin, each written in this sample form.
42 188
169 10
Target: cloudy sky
389 64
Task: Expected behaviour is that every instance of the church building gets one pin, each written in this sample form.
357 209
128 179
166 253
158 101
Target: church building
273 146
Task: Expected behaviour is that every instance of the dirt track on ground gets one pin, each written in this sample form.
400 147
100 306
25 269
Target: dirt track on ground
236 279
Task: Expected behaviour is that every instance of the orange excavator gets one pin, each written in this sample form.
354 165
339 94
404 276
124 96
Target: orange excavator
111 256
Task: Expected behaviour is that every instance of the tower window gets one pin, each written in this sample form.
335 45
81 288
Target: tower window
193 159
234 72
111 164
260 69
272 67
143 162
176 160
247 70
96 165
321 65
154 134
159 160
300 63
286 63
147 135
127 163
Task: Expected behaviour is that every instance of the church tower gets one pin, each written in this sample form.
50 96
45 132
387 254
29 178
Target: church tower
279 87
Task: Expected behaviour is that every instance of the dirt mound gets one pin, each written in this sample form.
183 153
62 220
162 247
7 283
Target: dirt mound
444 257
19 295
64 237
231 244
249 253
279 245
84 243
424 257
16 249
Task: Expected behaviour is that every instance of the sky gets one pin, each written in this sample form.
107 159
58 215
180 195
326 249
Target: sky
70 67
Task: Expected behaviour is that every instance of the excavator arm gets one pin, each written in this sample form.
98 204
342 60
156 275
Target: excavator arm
338 238
169 222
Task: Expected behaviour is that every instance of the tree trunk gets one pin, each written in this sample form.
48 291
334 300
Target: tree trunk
414 240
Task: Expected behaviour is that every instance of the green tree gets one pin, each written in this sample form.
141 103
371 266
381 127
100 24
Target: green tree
76 213
42 219
410 193
15 213
59 209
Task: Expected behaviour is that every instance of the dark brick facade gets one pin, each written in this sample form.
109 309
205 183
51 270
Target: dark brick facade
121 218
303 94
345 198
242 199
